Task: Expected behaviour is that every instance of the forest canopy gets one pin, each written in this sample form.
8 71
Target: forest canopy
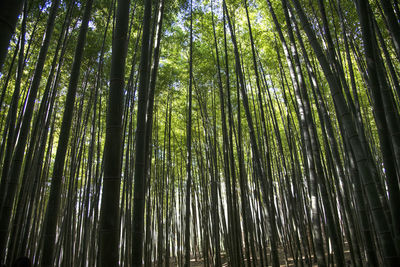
200 133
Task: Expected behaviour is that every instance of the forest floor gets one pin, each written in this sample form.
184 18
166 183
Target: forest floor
283 263
225 263
289 262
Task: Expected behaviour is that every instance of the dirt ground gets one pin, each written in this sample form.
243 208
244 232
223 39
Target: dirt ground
289 263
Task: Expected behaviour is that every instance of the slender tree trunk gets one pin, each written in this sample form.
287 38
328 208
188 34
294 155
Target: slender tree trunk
189 146
214 196
53 205
12 114
393 23
16 164
386 119
109 214
380 221
9 12
141 135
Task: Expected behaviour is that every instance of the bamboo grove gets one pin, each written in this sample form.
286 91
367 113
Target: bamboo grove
200 133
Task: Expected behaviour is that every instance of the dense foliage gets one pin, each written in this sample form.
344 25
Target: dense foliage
250 132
